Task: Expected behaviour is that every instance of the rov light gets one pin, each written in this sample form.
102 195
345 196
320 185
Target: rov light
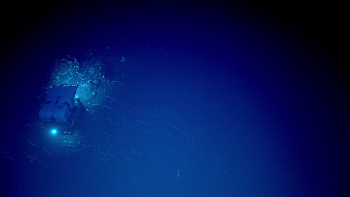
53 131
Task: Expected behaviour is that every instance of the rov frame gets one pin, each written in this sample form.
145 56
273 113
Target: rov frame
60 111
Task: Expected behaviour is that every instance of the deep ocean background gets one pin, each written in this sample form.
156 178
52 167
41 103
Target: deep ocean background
222 99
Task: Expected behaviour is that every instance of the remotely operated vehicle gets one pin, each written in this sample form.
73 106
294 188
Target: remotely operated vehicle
61 110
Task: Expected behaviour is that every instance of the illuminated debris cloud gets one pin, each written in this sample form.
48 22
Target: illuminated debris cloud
94 86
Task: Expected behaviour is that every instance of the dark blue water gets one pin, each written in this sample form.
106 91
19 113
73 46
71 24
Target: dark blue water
212 100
